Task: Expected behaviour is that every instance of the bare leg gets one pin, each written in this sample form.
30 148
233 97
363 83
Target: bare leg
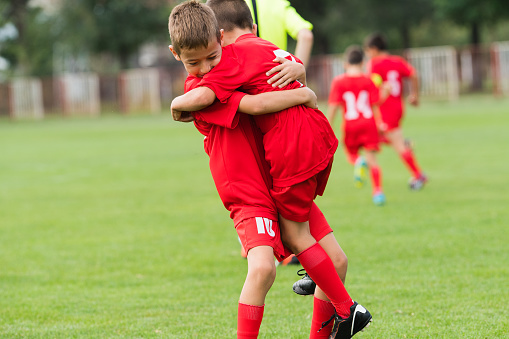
260 275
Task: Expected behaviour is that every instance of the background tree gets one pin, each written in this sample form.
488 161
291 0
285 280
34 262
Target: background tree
30 51
340 23
475 15
118 27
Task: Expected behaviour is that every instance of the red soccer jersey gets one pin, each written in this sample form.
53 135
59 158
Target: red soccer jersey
234 145
393 69
356 94
298 141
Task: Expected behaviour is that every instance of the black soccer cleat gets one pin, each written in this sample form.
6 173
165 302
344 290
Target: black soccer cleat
416 184
358 320
304 286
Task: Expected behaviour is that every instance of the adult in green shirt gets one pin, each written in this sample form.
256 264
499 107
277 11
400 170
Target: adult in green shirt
276 19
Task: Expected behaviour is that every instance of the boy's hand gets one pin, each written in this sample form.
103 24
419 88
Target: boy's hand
313 100
186 117
286 72
181 116
382 127
413 100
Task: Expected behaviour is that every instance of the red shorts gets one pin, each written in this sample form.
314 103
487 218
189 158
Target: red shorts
392 120
295 202
260 231
362 136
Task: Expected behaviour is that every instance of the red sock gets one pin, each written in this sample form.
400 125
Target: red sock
376 178
409 160
249 320
322 311
320 268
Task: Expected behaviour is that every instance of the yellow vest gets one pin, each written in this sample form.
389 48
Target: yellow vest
277 19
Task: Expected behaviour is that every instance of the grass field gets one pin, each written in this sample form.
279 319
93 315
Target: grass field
112 228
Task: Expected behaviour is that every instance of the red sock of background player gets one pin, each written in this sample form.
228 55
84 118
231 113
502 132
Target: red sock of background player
320 268
409 160
376 178
249 319
322 311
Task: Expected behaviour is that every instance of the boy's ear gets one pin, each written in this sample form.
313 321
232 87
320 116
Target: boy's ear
175 55
222 37
255 29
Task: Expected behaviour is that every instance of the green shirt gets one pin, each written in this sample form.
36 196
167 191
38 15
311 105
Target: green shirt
277 19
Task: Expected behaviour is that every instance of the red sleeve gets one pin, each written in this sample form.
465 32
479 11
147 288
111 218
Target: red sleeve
222 114
374 93
335 95
406 69
226 76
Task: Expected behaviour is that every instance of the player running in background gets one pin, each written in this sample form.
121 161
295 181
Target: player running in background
393 69
358 96
239 171
299 145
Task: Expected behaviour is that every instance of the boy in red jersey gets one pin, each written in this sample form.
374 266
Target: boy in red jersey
359 97
240 172
393 69
299 145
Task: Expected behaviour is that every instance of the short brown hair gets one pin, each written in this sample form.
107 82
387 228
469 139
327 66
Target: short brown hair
192 25
376 40
354 55
231 14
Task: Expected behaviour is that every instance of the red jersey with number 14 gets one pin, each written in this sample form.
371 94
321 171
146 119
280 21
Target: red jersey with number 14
393 69
298 141
357 95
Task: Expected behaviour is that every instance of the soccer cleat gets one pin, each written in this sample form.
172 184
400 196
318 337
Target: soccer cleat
379 199
358 320
304 286
416 184
360 169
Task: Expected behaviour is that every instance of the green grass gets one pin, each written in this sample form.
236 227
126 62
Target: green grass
112 228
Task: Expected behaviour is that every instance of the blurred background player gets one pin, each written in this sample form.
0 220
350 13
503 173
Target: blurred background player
393 69
276 20
356 93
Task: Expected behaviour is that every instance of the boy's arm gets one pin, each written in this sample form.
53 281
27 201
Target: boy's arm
271 102
194 100
382 126
286 72
413 97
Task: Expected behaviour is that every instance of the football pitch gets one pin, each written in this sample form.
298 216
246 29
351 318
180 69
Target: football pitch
112 228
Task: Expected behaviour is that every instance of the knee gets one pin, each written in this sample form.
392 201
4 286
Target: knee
264 272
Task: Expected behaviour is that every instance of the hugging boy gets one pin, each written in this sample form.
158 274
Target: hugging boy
299 143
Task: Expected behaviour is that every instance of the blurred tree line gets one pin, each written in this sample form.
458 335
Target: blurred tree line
29 33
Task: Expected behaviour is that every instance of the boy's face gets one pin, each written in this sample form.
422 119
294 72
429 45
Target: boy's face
200 61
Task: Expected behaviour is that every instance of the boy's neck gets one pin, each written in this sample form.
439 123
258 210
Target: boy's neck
354 70
381 53
231 36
